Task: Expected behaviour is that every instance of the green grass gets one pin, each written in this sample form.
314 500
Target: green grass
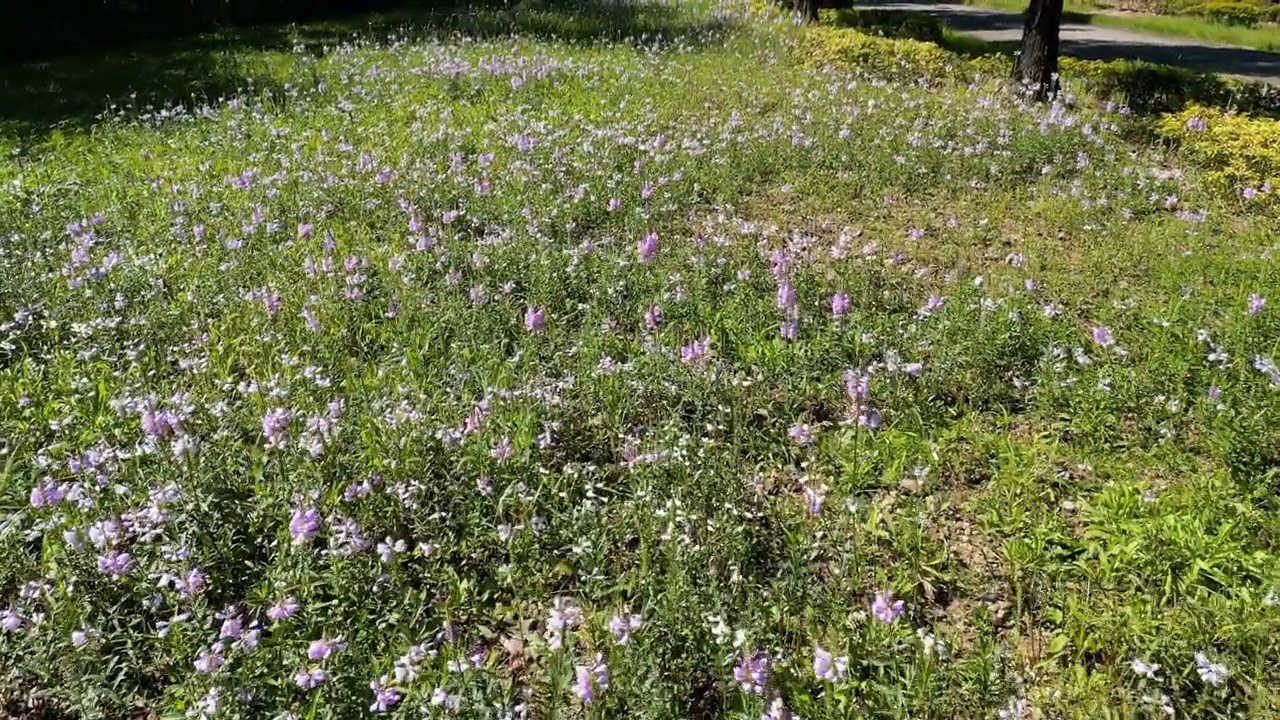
477 343
1265 38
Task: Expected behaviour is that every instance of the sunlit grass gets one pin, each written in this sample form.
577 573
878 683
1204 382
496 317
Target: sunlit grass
531 372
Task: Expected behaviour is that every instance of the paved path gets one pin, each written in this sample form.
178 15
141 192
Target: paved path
1107 43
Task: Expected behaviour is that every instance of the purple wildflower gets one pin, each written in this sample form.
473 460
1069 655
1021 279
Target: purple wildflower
191 584
535 319
565 615
10 620
786 296
310 678
232 627
1256 303
322 649
696 350
622 626
814 497
648 247
801 433
504 449
46 494
652 317
208 661
932 305
778 711
1102 336
304 525
590 680
840 304
858 388
385 697
116 563
830 668
752 673
274 424
885 608
790 329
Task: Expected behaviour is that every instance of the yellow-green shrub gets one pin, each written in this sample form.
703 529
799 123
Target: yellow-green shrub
993 65
1229 13
889 23
889 58
1240 151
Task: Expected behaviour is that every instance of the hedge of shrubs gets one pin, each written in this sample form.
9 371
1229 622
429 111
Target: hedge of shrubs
1241 152
888 57
1150 88
889 23
1231 13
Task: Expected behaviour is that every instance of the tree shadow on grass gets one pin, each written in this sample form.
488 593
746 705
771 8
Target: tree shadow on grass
74 93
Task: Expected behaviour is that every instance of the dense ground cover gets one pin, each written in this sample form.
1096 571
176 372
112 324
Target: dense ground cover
650 374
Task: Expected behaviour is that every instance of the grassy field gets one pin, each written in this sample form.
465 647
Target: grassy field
1262 37
604 361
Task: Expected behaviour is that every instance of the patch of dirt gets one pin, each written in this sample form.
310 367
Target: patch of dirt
706 698
982 582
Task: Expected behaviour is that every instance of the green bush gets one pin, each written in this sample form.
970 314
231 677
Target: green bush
890 58
1230 13
1151 88
889 23
1240 151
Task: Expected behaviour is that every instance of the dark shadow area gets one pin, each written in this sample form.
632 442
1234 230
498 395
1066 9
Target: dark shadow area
889 23
1264 67
71 93
49 28
1160 82
921 23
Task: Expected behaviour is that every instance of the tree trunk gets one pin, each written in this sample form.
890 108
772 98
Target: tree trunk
1037 66
808 9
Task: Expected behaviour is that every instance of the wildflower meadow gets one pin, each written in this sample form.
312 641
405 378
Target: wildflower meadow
619 364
